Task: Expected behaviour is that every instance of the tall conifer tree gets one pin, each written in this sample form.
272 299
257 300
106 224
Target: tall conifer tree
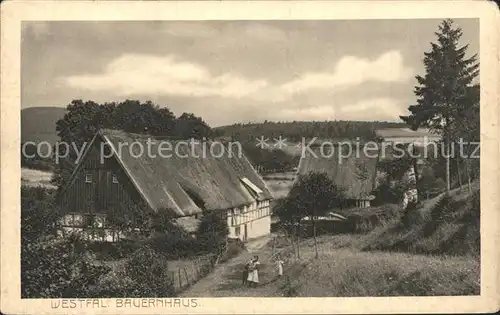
448 87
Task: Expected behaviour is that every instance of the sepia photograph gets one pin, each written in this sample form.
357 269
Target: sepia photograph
163 162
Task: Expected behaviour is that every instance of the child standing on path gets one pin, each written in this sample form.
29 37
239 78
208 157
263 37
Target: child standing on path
279 265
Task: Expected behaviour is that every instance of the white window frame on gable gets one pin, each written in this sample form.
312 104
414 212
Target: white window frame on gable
114 178
88 178
256 190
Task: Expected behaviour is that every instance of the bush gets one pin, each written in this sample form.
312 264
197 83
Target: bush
116 284
212 232
430 186
148 269
144 274
58 268
175 246
112 251
389 192
38 217
51 267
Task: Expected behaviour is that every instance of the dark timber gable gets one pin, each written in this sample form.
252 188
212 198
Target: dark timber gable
102 194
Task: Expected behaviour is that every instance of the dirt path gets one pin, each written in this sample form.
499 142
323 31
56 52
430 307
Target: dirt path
227 277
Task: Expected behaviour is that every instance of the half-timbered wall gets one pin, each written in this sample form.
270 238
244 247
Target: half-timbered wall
250 221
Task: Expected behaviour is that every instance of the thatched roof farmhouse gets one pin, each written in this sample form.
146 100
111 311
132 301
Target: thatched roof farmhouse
355 172
191 178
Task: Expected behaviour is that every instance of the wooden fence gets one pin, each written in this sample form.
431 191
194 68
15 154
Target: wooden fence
186 273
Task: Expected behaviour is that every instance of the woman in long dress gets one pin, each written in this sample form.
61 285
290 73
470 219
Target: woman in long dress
253 272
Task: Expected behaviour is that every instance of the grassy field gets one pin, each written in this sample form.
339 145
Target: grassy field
345 272
33 178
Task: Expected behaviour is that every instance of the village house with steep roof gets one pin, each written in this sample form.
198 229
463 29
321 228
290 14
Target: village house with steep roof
423 143
356 172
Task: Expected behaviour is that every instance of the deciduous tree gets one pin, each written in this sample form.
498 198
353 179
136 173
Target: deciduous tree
311 196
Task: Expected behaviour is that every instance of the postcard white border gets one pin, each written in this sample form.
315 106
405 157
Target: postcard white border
13 12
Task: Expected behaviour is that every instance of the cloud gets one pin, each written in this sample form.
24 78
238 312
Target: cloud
143 74
313 96
140 74
351 71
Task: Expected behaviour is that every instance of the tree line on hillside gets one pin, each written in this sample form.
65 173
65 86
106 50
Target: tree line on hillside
270 159
297 130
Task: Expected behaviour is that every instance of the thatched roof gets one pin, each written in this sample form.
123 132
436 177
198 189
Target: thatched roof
188 180
356 173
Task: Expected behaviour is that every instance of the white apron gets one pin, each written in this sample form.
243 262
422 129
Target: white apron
253 275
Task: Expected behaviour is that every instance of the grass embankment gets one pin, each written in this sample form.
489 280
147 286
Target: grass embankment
390 259
430 251
345 272
442 225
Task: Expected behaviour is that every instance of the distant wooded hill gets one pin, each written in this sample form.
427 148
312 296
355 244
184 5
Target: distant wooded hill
296 130
39 123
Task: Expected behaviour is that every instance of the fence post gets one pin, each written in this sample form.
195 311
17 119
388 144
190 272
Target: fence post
172 277
186 274
196 268
180 280
274 244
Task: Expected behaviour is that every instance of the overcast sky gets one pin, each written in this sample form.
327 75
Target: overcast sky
234 71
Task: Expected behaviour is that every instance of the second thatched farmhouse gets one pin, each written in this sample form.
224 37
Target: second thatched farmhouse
117 177
355 172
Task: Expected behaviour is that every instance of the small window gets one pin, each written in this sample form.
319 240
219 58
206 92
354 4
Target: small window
88 178
237 231
115 179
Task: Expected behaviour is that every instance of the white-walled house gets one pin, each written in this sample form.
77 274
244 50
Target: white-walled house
250 221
